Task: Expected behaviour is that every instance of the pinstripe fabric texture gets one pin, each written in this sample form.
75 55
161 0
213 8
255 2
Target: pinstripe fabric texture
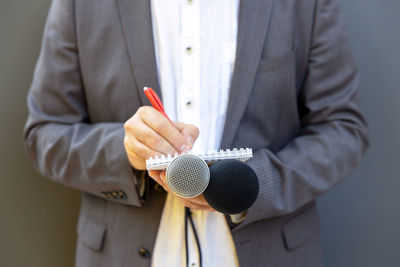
293 99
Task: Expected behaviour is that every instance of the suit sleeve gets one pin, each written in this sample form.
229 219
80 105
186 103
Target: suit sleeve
333 135
59 137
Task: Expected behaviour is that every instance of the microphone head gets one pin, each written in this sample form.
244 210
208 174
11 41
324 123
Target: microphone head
188 175
233 186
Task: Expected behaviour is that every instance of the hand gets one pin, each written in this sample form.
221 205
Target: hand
195 203
148 133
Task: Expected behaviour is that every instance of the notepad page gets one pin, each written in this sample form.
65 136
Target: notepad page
161 162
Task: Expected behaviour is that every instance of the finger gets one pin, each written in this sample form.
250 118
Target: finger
163 180
156 176
135 151
197 201
194 200
153 140
154 173
196 206
137 162
141 150
191 132
160 124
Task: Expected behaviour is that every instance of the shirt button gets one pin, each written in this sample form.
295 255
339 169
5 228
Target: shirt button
189 104
144 253
189 50
190 2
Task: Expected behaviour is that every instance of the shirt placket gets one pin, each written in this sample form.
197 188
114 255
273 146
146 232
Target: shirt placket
189 87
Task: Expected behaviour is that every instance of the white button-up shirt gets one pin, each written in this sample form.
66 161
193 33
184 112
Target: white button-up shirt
195 42
195 48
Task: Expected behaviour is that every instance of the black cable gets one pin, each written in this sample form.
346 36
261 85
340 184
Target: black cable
186 236
188 215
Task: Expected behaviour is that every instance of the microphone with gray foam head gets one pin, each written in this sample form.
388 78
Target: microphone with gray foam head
229 186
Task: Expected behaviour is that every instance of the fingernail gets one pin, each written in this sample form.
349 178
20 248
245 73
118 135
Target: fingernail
185 148
190 141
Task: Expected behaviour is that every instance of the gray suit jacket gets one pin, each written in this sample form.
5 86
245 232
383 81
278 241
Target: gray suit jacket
292 99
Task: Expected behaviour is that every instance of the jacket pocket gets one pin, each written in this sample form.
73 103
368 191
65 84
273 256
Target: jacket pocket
300 229
92 233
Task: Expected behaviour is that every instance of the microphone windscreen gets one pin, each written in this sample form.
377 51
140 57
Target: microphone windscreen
233 186
188 175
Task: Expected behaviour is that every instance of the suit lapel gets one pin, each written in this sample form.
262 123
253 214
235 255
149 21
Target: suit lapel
254 18
137 27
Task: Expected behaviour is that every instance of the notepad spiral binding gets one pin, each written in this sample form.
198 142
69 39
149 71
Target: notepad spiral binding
161 162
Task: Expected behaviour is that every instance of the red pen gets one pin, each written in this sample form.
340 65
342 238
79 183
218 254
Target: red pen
155 101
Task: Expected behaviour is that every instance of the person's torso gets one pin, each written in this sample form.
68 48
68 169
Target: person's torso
117 59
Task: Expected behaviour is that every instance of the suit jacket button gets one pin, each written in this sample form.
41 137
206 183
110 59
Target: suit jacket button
144 253
122 195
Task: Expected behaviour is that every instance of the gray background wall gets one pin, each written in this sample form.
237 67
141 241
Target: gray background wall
37 217
359 218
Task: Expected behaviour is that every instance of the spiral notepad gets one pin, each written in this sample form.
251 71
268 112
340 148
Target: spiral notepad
161 163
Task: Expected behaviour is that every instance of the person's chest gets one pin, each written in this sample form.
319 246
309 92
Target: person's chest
195 45
117 59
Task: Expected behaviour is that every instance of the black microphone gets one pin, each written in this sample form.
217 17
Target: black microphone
233 186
